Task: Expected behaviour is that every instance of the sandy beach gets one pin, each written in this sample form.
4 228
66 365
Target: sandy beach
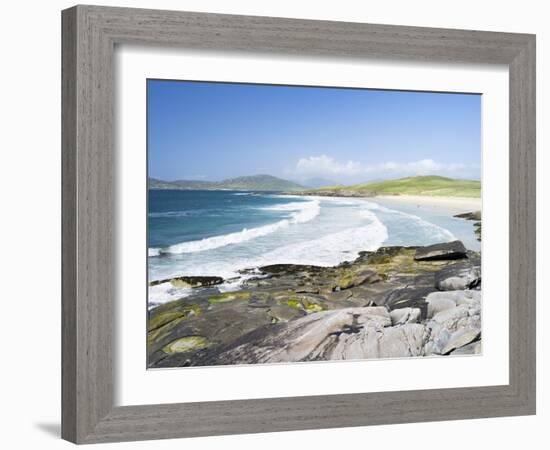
456 205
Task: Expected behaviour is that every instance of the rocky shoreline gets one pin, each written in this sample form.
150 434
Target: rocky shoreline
476 218
392 303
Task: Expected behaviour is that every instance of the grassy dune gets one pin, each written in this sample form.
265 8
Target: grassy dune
421 185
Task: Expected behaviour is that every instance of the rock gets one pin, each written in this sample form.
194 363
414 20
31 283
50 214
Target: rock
371 294
307 290
282 313
442 300
473 348
458 279
458 297
306 303
467 297
289 268
385 305
338 296
409 298
451 314
218 322
453 283
186 344
477 231
230 296
438 303
476 215
351 333
169 312
445 251
189 282
459 339
398 342
405 315
351 279
448 327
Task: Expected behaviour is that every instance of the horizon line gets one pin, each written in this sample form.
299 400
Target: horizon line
307 178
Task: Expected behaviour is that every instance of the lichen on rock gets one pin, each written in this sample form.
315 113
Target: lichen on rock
186 344
385 304
229 296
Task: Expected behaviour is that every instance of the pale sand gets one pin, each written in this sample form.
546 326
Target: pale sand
456 205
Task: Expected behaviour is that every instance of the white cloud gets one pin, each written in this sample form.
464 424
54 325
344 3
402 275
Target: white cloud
326 166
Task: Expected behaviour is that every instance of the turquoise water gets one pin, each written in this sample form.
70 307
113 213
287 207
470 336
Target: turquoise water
222 232
177 216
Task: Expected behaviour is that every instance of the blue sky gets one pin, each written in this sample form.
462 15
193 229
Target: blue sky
212 131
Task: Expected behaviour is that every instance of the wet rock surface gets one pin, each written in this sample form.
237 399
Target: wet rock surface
384 304
190 282
447 250
476 217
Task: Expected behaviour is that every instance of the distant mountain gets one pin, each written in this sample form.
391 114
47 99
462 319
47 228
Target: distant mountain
422 185
318 182
260 183
191 184
247 183
155 183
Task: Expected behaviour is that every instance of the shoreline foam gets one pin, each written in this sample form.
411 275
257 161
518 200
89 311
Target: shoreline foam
300 213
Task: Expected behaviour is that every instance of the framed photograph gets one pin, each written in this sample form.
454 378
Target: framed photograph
278 224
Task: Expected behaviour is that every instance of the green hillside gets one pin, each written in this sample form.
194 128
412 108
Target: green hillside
422 185
248 183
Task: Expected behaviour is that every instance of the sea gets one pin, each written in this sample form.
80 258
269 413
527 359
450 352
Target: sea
220 233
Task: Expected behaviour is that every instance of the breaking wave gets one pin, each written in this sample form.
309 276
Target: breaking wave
301 212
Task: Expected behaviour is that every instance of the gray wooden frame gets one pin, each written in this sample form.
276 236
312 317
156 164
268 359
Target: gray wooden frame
89 37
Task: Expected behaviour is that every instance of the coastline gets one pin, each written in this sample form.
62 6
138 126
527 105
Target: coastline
455 205
435 210
394 302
